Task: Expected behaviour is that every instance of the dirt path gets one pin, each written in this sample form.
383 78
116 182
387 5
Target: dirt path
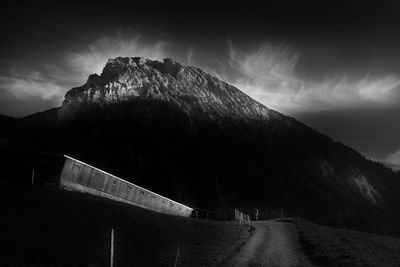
274 243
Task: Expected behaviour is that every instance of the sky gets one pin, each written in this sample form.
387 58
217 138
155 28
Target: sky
334 65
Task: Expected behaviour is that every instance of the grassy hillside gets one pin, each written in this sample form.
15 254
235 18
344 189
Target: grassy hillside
44 226
328 246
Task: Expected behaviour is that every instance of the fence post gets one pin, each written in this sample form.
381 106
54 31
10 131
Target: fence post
112 248
33 176
176 258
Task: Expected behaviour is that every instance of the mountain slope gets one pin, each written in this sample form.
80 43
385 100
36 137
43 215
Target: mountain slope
183 133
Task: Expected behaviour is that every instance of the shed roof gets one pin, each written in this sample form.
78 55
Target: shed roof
69 157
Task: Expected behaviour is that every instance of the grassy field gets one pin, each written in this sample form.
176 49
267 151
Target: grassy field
327 246
45 226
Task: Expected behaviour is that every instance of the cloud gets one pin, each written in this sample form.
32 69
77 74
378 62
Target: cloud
269 75
189 56
94 58
31 84
52 79
268 63
393 160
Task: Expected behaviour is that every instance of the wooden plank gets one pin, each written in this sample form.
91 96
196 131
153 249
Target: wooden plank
75 160
68 170
100 181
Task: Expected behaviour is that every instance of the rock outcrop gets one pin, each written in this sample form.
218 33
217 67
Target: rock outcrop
189 88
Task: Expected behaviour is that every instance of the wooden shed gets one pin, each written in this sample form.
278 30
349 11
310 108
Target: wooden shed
82 177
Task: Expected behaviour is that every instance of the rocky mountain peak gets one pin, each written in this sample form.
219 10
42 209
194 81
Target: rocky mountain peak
189 88
120 65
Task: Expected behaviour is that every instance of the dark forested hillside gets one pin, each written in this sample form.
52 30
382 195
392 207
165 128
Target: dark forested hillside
183 133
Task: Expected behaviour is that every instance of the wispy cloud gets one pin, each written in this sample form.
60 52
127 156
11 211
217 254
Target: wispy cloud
73 67
268 74
94 58
189 56
31 84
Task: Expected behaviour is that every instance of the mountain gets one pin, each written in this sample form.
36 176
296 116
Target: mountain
185 134
193 91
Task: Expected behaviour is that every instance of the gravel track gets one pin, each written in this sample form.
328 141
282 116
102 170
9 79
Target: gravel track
273 243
